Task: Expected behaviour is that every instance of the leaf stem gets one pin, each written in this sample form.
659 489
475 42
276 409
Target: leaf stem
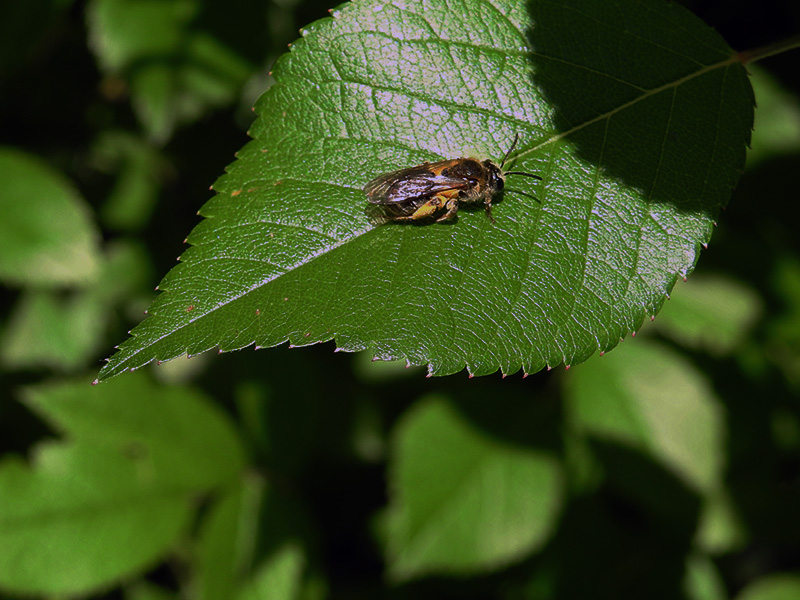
749 56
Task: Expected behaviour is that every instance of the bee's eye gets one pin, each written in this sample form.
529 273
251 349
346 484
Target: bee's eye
495 180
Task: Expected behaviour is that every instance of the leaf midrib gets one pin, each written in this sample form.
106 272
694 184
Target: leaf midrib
610 113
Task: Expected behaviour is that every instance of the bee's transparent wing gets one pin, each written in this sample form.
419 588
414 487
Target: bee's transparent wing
409 184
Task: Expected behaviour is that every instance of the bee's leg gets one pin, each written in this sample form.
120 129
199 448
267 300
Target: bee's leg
489 209
431 207
452 208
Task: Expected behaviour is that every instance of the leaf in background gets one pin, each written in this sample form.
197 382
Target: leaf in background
278 578
139 168
702 580
254 543
175 67
463 500
777 119
186 438
651 399
710 313
63 331
783 329
112 499
81 519
636 161
46 329
227 540
47 237
775 586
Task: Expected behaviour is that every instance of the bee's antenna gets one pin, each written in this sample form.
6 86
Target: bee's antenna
513 145
505 158
521 173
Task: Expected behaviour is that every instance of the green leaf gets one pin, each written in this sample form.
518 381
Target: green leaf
176 68
112 500
778 586
464 500
226 540
653 400
279 577
710 313
187 439
47 237
81 519
777 120
62 331
47 329
636 162
720 528
139 168
702 580
254 543
783 329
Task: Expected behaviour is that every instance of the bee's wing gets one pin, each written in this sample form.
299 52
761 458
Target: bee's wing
408 184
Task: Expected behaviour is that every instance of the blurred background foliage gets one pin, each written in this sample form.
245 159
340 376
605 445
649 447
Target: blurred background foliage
668 469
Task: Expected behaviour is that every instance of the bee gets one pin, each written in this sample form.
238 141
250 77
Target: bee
438 189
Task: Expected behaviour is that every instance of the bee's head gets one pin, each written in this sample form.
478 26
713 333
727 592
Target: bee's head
494 176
